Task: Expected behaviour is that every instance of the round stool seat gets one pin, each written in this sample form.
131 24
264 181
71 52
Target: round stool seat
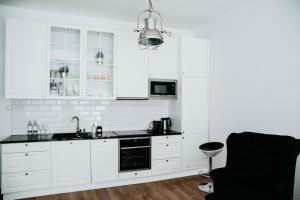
211 149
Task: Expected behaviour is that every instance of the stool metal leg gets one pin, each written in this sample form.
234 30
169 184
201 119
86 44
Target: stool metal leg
207 187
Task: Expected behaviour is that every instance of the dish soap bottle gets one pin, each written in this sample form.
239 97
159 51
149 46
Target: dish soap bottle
93 129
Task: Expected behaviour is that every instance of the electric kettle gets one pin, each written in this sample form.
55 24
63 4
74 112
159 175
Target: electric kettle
165 124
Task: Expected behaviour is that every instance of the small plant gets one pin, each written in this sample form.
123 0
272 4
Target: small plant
63 71
100 56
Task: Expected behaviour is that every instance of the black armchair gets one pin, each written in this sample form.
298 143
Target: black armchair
258 167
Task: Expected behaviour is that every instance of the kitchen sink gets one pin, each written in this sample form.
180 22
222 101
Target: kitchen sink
71 136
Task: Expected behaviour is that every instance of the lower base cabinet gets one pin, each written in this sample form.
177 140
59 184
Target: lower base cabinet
23 181
192 157
70 163
165 166
104 159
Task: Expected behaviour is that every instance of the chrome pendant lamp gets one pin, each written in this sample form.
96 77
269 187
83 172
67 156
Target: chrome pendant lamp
150 36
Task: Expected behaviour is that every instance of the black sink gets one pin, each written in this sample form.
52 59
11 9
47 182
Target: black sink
71 136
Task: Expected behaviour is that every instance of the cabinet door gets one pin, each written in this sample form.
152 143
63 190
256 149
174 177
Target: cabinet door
192 157
104 155
195 104
25 59
163 60
194 57
70 163
23 181
132 71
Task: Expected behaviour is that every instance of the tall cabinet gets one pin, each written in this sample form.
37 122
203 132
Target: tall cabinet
193 103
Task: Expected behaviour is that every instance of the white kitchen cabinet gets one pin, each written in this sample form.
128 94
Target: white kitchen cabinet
165 166
132 71
163 61
27 161
194 104
192 157
104 159
25 59
167 150
24 181
194 57
70 163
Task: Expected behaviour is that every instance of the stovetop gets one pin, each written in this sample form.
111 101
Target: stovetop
133 133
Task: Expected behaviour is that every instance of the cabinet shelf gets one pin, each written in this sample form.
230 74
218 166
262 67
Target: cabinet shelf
65 45
95 80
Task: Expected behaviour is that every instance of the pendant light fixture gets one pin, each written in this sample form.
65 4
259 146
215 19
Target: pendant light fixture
150 36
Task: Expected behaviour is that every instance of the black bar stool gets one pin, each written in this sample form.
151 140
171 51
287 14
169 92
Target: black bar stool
209 149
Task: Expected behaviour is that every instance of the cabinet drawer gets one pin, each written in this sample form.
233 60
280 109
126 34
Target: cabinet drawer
167 150
166 139
18 162
165 166
134 174
25 147
17 182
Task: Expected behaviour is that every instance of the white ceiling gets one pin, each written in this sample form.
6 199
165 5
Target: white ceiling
185 14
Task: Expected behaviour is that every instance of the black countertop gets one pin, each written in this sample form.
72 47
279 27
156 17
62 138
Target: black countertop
105 135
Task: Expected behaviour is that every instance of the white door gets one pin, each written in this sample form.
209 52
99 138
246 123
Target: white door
132 71
163 60
192 157
25 65
70 163
195 104
194 57
104 155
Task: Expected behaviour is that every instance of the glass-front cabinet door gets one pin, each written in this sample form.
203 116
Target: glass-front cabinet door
64 62
99 64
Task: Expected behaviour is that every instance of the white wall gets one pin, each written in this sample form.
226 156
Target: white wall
255 67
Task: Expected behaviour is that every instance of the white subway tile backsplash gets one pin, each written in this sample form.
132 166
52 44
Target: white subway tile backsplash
37 102
112 115
50 102
84 103
78 107
89 107
55 107
74 102
100 107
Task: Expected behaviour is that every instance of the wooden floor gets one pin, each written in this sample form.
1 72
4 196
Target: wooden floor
173 189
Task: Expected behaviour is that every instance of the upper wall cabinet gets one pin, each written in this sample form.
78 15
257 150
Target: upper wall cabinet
65 62
132 73
25 59
99 64
163 60
81 63
194 57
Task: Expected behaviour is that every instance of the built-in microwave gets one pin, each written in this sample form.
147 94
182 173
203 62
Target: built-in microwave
162 88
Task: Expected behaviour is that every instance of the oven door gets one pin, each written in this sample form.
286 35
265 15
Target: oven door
135 158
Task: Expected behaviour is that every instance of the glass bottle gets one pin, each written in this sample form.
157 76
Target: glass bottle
35 127
29 127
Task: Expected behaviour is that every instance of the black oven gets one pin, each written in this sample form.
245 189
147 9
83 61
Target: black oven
135 154
162 88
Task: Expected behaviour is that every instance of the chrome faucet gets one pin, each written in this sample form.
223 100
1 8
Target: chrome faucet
78 130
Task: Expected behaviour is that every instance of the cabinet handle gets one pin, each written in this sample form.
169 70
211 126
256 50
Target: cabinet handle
104 140
71 142
167 137
167 160
182 137
26 154
135 173
26 145
167 145
26 174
